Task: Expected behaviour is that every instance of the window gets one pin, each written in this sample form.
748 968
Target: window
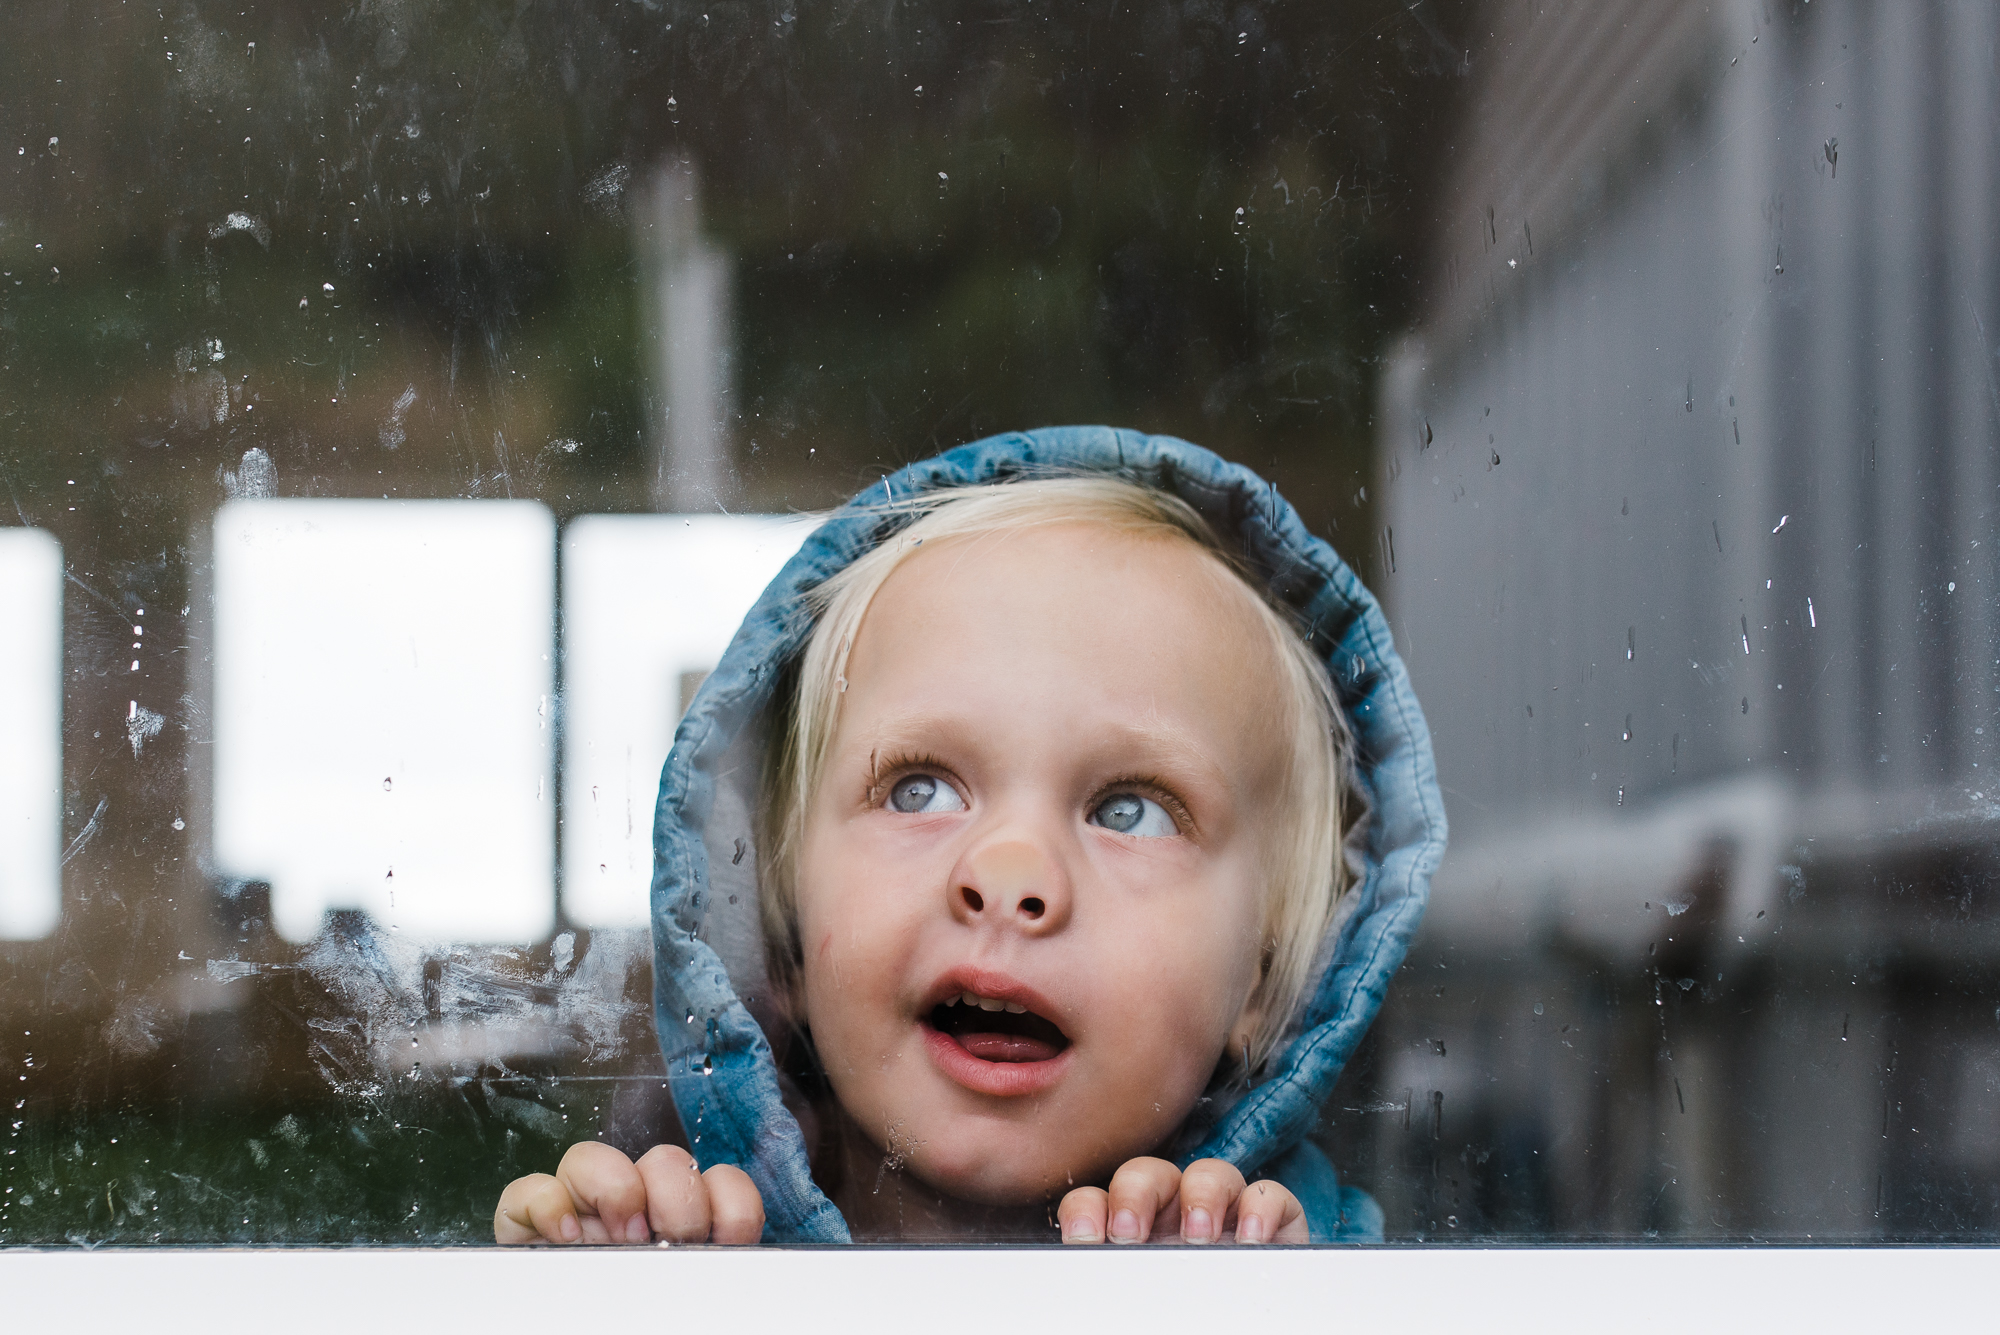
402 409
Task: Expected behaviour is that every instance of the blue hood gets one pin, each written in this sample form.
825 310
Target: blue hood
709 976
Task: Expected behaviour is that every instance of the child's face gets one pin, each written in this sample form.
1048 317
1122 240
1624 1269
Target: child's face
1054 771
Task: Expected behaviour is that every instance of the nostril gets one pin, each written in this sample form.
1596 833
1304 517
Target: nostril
972 899
1033 907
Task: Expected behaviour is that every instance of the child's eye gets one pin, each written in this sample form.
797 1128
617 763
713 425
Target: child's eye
1129 813
922 794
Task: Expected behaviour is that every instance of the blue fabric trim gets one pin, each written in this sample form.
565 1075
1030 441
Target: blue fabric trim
720 1066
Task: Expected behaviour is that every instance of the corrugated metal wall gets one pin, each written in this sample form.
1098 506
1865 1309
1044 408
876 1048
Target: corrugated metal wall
1690 480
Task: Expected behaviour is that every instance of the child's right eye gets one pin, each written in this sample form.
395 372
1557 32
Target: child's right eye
923 794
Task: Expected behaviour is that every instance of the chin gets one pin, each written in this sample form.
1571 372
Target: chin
986 1173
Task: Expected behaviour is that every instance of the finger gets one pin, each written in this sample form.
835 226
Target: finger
1209 1188
735 1205
1083 1213
676 1199
1142 1190
607 1188
1268 1212
536 1208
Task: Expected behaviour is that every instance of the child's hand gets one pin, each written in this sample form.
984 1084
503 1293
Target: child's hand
1151 1200
599 1195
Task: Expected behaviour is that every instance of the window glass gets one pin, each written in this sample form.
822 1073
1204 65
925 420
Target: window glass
403 408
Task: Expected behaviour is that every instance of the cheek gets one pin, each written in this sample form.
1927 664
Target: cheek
857 928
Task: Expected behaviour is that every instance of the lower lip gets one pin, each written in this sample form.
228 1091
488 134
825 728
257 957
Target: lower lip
1000 1079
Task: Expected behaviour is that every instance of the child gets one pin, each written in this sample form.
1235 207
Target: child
1032 764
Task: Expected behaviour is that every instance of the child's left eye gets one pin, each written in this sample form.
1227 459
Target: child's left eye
1129 813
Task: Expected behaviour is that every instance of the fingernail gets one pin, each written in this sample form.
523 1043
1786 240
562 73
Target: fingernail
1125 1227
636 1230
1199 1226
1081 1229
569 1228
1250 1228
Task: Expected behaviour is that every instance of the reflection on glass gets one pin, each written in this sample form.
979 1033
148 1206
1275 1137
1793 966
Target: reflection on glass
383 712
649 604
31 588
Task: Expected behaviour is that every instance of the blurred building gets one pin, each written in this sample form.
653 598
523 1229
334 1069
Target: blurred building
1688 474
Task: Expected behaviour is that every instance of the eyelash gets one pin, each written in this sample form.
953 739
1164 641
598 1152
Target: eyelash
885 775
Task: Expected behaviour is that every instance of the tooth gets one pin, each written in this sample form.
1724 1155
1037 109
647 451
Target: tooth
969 998
989 1004
951 1001
1016 1008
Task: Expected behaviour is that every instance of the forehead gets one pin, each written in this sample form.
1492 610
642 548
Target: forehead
1081 623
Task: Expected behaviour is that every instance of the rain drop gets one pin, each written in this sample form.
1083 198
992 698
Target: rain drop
1424 436
1627 735
1833 157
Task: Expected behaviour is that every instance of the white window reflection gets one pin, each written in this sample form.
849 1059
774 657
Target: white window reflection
31 576
649 604
383 712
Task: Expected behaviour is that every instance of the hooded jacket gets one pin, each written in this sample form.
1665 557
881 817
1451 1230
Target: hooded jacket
710 989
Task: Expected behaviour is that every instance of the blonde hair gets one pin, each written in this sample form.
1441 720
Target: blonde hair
1306 873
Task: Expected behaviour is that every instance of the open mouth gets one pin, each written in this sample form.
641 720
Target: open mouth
997 1031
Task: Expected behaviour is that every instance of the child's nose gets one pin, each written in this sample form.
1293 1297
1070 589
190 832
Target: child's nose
1010 880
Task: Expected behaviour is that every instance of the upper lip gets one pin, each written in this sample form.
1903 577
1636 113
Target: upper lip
998 986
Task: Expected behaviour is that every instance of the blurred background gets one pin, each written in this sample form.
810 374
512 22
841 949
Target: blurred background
399 406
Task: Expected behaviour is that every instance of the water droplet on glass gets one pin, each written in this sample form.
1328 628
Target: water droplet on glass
1833 156
1951 587
387 784
1425 434
708 1063
1538 1008
1628 730
180 824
